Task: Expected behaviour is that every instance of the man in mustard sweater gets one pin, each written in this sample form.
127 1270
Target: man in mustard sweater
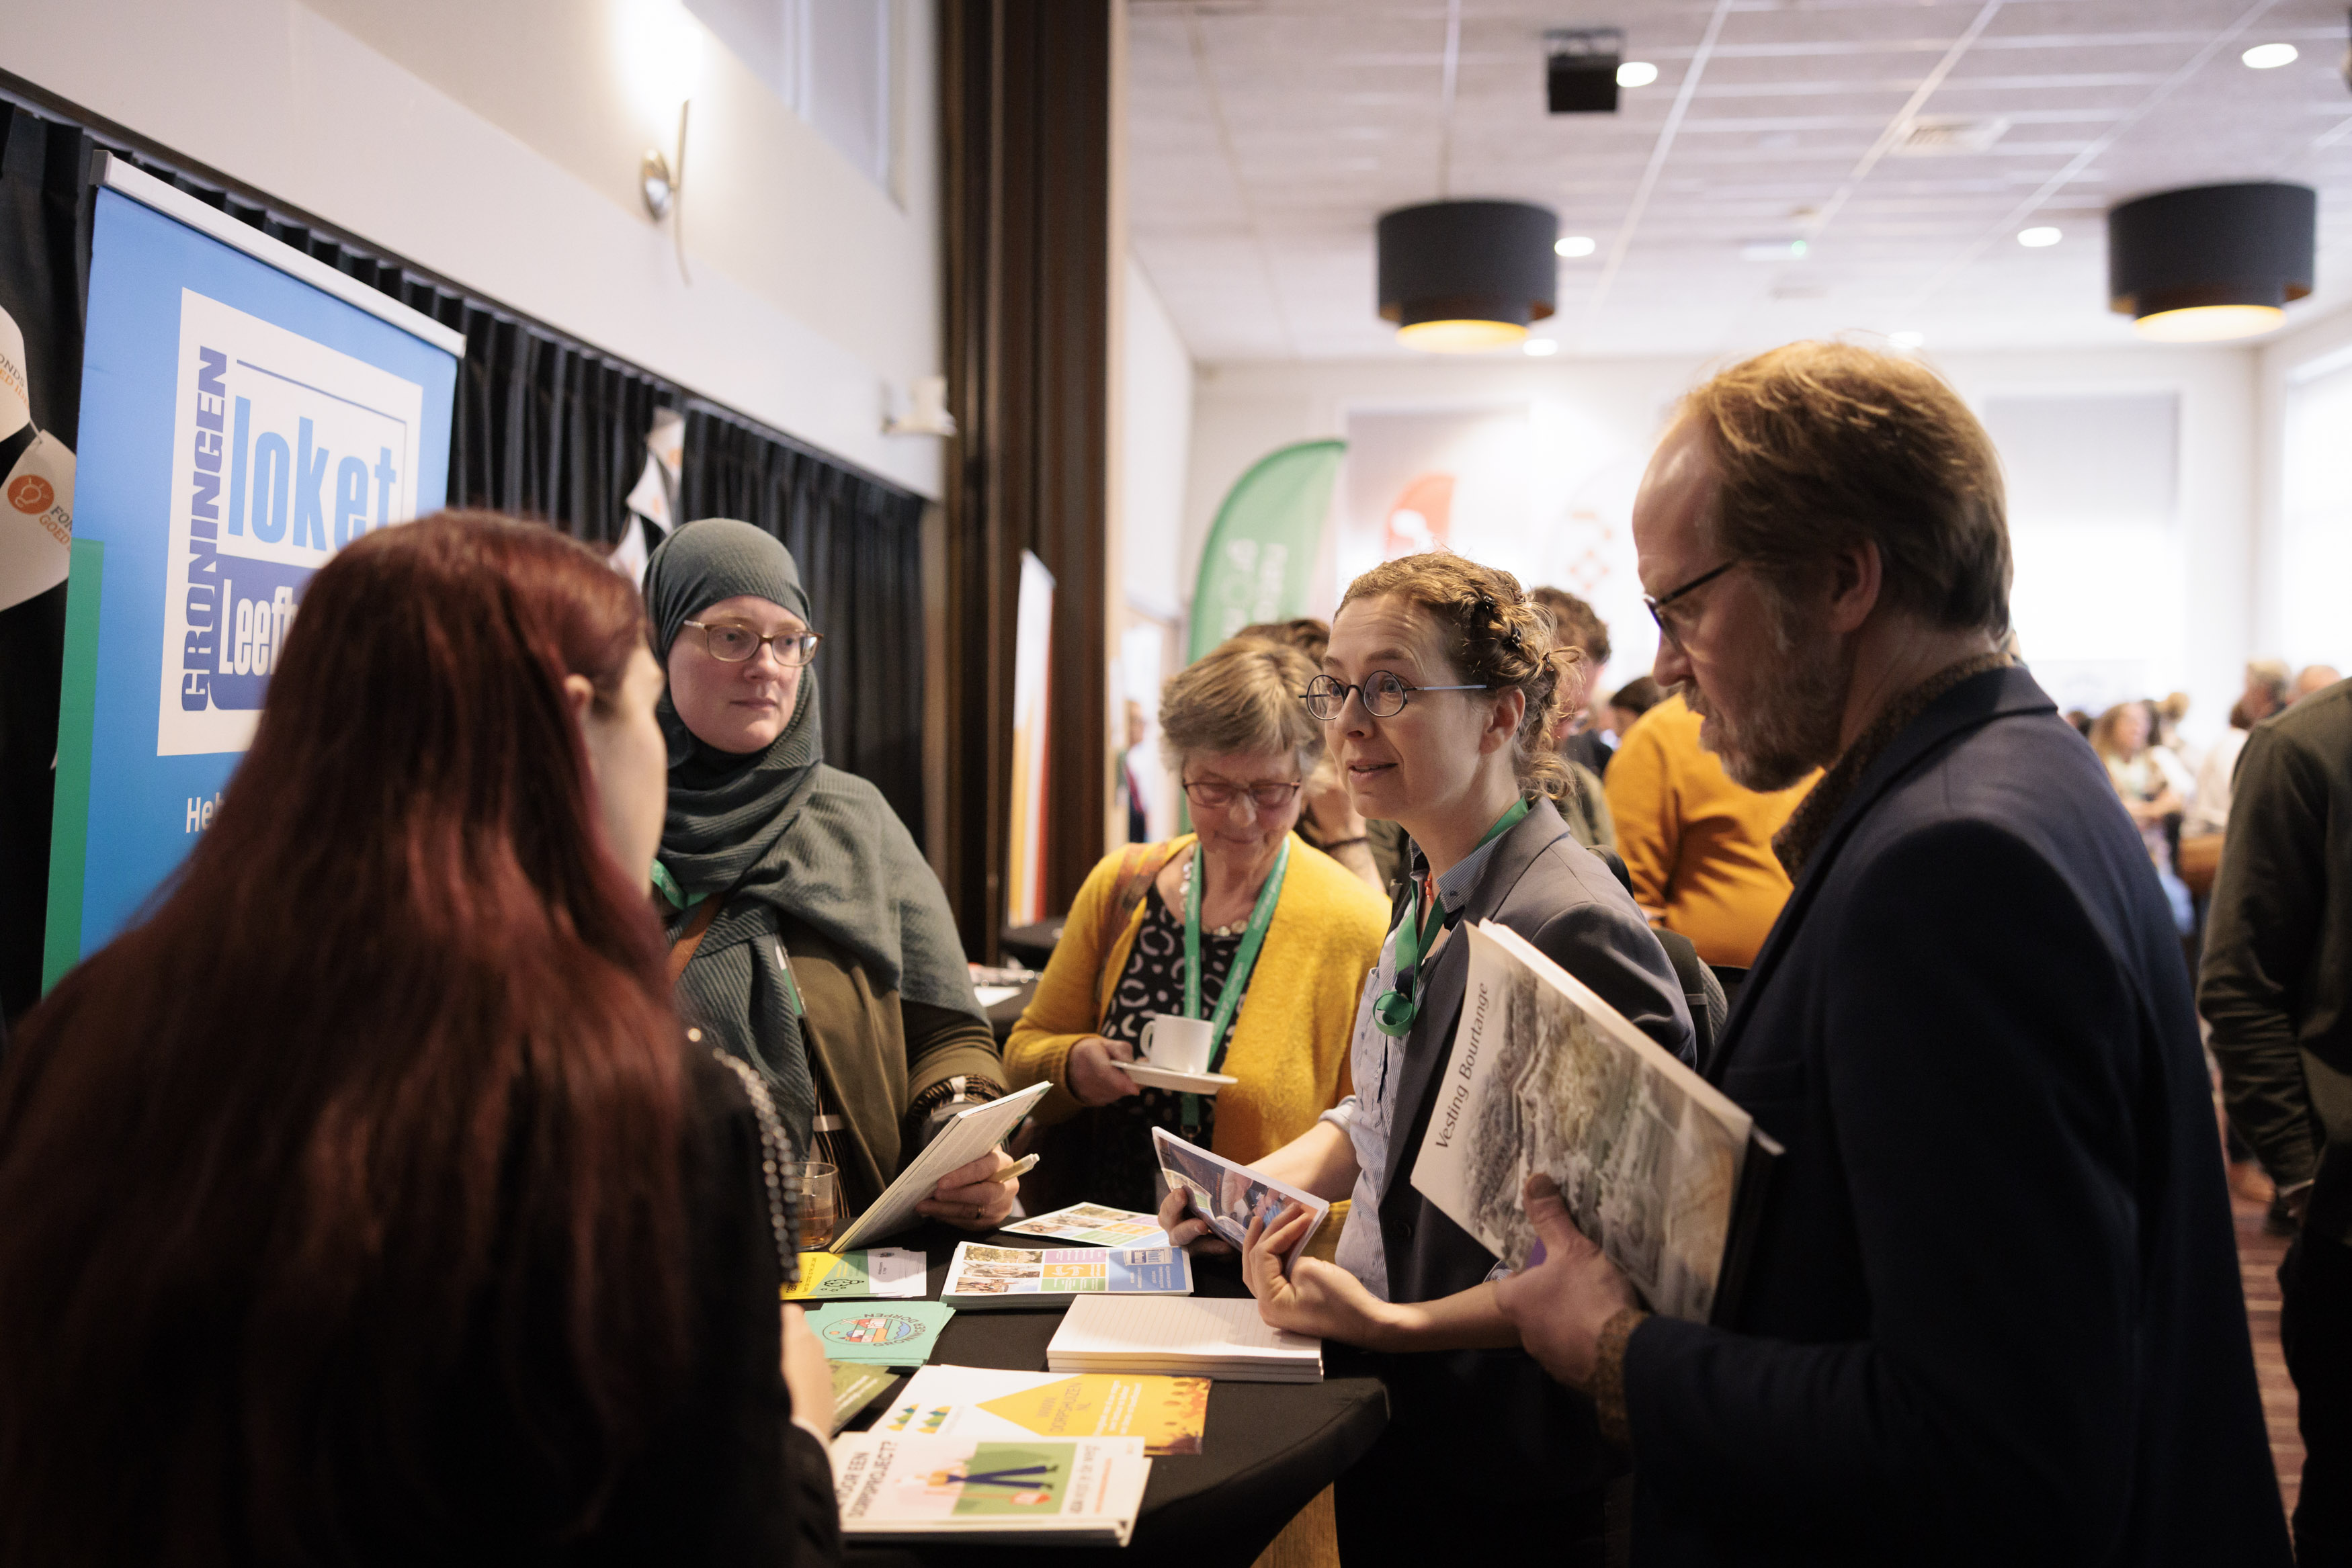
1698 846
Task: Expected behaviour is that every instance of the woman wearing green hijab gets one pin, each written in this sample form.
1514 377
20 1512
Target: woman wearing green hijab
815 943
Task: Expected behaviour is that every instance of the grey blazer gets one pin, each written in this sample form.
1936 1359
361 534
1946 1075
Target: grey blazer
1550 890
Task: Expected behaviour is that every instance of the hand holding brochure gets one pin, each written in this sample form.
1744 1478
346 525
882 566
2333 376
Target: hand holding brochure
1230 1196
980 1278
1546 1076
968 1135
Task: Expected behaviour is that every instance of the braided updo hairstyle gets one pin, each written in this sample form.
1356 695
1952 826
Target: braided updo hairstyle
1496 635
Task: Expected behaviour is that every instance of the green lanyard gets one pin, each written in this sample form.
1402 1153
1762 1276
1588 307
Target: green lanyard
1244 960
1395 1008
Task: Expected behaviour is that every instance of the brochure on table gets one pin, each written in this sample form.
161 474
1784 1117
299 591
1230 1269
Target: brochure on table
855 1386
885 1271
879 1333
1096 1225
1078 1492
1169 1414
1229 1195
968 1135
981 1278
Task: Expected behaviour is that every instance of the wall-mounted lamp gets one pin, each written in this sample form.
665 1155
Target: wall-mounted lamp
658 47
664 184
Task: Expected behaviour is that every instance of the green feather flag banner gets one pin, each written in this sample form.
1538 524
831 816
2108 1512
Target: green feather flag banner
1264 543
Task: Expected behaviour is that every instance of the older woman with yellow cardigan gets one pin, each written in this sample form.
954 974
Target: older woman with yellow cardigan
1285 928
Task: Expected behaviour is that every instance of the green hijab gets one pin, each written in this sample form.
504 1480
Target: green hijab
790 836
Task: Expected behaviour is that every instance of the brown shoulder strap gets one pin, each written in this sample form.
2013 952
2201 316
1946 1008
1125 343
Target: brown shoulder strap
681 952
1136 866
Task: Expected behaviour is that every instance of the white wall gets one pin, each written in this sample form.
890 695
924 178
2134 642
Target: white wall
2287 366
1155 440
1594 422
498 144
1155 443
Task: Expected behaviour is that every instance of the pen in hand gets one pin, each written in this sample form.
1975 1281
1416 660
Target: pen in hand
1025 1163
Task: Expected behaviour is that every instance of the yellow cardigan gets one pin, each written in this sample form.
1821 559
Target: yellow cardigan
1289 1040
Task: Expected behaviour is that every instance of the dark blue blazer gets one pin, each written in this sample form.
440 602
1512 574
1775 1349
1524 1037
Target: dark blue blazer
1994 1313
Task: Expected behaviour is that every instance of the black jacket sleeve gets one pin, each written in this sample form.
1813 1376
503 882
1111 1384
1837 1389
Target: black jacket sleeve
2261 944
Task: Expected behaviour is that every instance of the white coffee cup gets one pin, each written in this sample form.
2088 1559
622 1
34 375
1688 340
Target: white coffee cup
1178 1044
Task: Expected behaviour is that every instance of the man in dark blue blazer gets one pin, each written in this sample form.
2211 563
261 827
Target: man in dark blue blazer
1993 1311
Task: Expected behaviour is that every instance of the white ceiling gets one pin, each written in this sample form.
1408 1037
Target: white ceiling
1265 136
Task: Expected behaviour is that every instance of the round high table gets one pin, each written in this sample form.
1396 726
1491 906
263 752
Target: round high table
1265 1450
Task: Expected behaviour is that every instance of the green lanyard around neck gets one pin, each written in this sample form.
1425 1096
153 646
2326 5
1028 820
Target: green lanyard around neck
1395 1008
1244 957
1236 977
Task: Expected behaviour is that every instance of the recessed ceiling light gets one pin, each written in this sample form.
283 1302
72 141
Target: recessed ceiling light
1773 250
1574 245
2262 57
1538 348
1906 340
2035 238
1641 73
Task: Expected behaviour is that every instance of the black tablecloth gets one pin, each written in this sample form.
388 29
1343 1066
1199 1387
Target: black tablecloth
1266 1449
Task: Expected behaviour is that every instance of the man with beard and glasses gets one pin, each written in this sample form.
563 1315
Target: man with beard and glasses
1993 1311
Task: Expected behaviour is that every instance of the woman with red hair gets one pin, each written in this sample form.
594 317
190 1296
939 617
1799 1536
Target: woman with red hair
364 1202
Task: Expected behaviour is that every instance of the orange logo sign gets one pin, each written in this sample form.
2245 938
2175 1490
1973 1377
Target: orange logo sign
29 493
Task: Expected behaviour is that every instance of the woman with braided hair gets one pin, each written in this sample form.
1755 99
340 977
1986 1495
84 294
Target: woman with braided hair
1439 694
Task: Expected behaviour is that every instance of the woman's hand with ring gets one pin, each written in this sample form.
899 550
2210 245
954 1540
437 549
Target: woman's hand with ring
1089 1074
966 1198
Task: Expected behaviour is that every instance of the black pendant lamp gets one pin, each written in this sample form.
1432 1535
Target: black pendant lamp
2212 262
1458 278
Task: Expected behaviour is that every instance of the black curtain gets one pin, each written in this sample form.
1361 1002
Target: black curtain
859 545
544 427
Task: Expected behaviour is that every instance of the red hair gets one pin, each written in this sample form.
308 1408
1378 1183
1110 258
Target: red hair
378 1114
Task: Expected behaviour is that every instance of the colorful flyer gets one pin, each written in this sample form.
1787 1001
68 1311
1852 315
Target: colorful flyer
1084 1491
1167 1412
980 1278
898 1333
1094 1224
887 1272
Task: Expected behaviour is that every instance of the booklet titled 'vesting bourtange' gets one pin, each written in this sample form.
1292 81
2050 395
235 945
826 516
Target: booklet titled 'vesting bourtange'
1655 1164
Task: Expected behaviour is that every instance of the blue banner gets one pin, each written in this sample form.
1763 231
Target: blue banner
239 425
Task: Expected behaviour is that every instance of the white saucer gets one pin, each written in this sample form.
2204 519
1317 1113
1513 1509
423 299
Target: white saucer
1167 1078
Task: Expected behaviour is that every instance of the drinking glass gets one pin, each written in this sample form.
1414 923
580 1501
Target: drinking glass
814 1189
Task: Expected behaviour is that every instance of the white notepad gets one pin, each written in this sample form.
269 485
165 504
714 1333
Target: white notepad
968 1135
1183 1336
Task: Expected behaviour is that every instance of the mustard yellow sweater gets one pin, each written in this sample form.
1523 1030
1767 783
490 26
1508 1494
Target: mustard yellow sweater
1289 1040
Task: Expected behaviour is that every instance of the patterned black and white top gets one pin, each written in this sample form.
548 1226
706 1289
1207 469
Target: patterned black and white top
1151 984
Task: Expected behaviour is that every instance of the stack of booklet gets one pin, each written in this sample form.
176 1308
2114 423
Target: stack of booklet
1080 1492
982 1276
1181 1336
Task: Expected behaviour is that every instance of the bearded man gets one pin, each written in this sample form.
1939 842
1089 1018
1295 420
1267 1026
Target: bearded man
1992 1314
